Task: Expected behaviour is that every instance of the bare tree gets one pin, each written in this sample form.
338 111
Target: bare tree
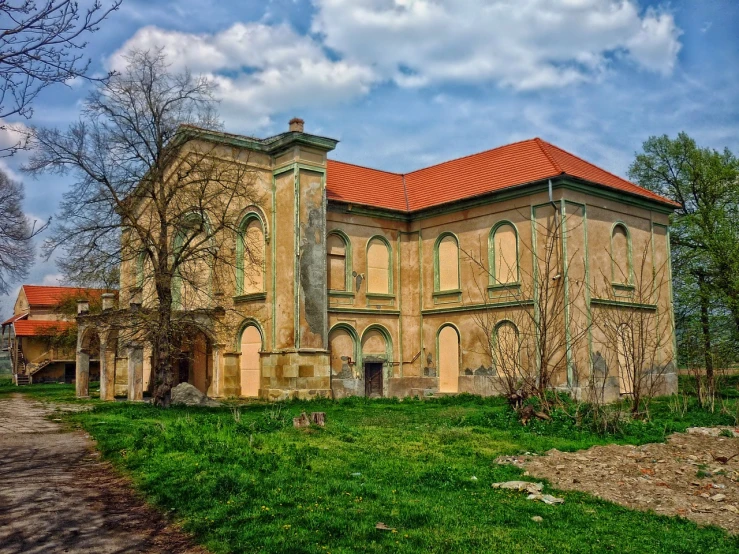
529 335
637 337
153 197
16 233
41 44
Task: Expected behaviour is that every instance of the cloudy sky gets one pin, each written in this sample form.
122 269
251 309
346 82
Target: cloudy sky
406 83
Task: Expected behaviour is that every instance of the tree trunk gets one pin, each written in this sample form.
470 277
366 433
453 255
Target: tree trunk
163 344
706 332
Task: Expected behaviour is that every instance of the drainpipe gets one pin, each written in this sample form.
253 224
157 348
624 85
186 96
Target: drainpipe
551 196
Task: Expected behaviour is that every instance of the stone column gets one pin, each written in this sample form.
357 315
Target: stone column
135 373
107 372
231 374
82 376
216 385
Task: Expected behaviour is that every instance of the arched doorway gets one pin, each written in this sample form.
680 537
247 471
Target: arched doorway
250 346
448 356
194 362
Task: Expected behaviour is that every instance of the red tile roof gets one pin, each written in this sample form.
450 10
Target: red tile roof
13 319
38 327
42 296
501 168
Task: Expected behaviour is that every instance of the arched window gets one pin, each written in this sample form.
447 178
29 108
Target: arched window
250 344
504 254
140 266
447 345
507 350
446 266
250 251
338 263
342 342
378 267
193 245
621 255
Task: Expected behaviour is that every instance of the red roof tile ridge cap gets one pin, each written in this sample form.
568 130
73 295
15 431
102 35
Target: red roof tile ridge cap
405 192
366 167
470 155
540 143
672 202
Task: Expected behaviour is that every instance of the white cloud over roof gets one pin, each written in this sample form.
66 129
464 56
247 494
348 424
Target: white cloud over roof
262 69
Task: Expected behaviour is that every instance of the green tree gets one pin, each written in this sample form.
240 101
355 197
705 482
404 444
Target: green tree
704 240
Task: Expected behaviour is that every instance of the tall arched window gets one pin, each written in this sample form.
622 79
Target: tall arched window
250 252
193 244
446 266
250 344
447 345
507 350
504 254
338 263
378 267
621 254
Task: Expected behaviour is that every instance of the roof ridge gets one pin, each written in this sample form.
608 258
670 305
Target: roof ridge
606 171
368 167
540 143
405 192
471 155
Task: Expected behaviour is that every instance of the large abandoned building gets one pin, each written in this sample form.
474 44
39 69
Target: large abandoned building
447 279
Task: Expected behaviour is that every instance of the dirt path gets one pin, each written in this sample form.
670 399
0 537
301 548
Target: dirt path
56 496
688 476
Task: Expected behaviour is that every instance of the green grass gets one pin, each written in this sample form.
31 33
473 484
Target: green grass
245 481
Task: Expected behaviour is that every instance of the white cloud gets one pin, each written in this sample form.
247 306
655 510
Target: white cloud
258 69
261 69
523 44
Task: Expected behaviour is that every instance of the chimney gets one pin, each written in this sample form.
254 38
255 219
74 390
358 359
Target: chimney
83 306
108 301
296 125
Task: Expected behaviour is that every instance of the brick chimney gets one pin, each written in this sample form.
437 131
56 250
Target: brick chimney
296 125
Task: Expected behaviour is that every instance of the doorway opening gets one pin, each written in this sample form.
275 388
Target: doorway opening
373 379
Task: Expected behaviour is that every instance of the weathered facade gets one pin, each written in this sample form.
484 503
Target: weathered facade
363 282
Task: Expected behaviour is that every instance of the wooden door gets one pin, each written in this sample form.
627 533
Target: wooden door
373 379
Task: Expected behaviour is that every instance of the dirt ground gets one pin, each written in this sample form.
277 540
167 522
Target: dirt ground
687 476
57 496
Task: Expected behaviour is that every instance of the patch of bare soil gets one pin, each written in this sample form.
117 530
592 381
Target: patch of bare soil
57 496
693 475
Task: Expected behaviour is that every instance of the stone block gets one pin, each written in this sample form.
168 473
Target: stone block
290 370
305 370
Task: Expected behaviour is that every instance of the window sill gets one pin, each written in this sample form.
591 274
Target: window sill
445 292
505 286
379 295
622 286
340 293
252 297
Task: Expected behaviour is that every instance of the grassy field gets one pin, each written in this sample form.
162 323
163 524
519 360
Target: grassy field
243 480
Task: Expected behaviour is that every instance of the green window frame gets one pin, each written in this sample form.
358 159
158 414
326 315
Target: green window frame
177 246
492 267
348 263
628 284
241 250
390 266
437 280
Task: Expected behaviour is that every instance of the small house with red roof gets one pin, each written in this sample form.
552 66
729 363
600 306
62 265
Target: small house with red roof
447 279
43 332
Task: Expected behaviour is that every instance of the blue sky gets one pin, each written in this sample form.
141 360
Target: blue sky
406 83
